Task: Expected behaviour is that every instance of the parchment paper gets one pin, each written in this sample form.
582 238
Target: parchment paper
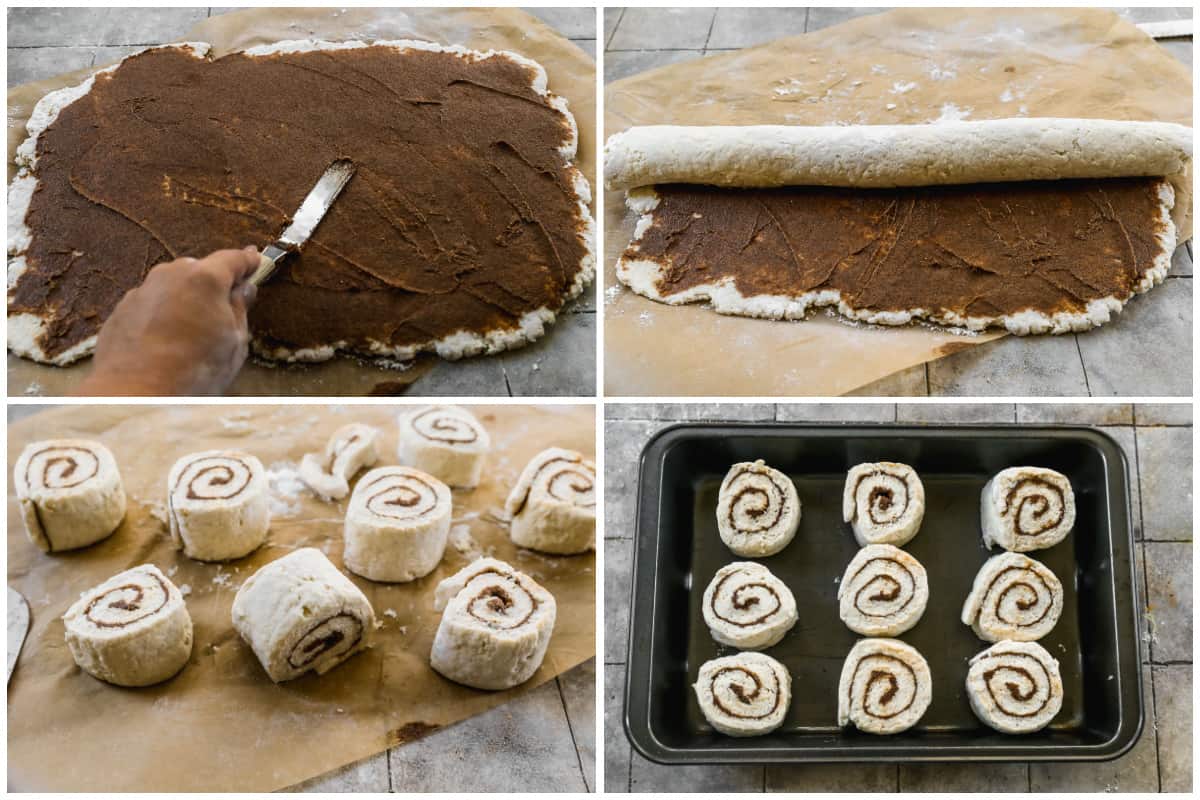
572 74
927 64
221 724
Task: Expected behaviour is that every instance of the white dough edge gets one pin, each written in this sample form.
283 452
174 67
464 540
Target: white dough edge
881 156
24 329
642 276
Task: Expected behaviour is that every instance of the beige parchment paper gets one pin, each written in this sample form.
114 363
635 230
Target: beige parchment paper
571 72
221 724
905 66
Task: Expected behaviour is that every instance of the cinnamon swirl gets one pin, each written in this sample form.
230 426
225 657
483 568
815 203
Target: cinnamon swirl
350 449
758 510
747 607
1014 598
218 505
746 694
496 626
1027 508
553 505
300 614
883 592
884 503
396 525
70 493
1015 687
445 441
885 687
131 630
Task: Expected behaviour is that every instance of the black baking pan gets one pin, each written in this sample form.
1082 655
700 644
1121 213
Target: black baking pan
678 551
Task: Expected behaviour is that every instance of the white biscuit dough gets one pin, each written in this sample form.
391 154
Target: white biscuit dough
553 505
885 687
1015 687
218 504
1013 598
1027 508
758 510
350 449
448 442
884 502
883 591
746 694
69 492
747 607
397 525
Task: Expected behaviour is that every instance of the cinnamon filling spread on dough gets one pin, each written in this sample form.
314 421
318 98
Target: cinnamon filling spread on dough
981 250
462 214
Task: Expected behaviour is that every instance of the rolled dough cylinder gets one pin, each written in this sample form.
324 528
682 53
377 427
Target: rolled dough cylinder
397 524
745 694
496 626
218 504
747 607
1027 508
885 687
884 503
1013 598
881 156
758 510
132 630
1015 687
300 614
351 448
70 493
445 441
553 505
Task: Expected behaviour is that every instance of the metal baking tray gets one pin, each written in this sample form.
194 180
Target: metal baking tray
678 550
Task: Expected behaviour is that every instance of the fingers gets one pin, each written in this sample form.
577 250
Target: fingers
228 268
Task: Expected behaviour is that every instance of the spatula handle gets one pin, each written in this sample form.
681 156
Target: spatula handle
268 260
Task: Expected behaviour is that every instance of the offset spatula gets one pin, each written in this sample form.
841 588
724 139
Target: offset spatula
311 211
18 626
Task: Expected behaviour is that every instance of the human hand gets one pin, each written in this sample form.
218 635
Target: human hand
182 332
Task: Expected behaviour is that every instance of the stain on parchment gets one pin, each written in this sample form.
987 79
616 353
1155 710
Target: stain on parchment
410 732
950 348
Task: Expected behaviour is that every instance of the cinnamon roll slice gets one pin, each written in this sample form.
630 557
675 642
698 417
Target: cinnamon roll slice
445 441
885 687
746 694
1015 687
747 607
1027 508
883 592
132 630
70 493
300 614
758 510
553 505
218 504
350 449
884 503
1015 598
397 525
496 626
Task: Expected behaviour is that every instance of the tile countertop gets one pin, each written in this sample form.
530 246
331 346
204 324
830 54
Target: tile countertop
638 39
1157 440
43 42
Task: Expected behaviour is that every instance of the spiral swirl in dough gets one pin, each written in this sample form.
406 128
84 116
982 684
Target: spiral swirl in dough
746 694
218 504
884 503
1027 508
70 493
883 591
1014 598
885 687
447 442
553 505
1015 687
747 607
758 510
397 524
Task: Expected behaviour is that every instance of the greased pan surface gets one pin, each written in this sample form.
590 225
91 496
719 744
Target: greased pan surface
678 551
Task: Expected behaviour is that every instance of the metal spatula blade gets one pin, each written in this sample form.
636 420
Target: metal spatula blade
306 218
18 626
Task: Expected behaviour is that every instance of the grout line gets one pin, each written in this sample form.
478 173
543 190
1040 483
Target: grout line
620 17
1176 663
711 24
391 783
928 386
571 729
1086 383
1157 738
807 14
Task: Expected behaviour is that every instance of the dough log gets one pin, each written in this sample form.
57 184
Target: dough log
758 510
70 493
553 505
883 592
884 503
1027 508
218 504
747 607
445 441
397 524
746 694
300 614
350 449
1014 598
132 630
1015 687
885 687
496 626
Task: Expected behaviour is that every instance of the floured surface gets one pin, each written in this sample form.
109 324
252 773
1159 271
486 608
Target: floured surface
944 64
571 75
241 731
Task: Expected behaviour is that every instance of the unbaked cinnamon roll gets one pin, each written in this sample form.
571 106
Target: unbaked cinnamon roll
553 505
218 504
1015 598
70 493
445 441
883 592
758 510
1027 508
496 626
747 607
1015 687
397 524
746 694
885 687
884 503
132 630
350 449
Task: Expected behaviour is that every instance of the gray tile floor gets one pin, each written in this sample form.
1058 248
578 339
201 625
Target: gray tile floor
43 42
1157 443
1157 325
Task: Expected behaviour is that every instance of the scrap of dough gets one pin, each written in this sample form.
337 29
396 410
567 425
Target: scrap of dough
883 156
350 449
